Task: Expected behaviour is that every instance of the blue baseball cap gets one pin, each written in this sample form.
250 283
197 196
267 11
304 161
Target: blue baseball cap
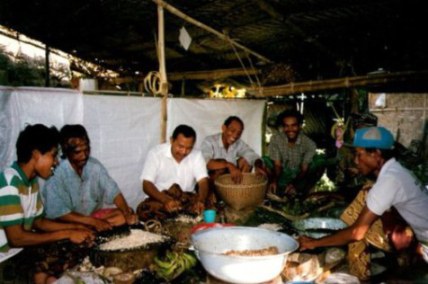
373 137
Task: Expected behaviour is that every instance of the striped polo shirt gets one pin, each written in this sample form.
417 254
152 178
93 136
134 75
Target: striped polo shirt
20 202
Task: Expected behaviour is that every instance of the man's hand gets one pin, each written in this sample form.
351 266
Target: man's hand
290 190
131 218
306 243
172 206
80 236
272 188
198 207
235 174
81 227
260 168
401 237
244 166
352 171
101 225
262 171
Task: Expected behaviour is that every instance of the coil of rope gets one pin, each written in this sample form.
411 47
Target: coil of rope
153 226
152 83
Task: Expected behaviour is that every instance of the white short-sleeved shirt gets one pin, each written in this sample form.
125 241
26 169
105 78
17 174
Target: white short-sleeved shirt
163 170
396 186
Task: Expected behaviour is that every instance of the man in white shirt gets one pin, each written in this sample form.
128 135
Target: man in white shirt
176 163
395 187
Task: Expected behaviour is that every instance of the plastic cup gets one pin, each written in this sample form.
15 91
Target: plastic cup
209 216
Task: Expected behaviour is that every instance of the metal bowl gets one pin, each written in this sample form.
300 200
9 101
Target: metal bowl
318 227
211 244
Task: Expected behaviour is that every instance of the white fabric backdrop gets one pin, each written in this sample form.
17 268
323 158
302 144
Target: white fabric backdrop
8 127
207 117
122 129
22 106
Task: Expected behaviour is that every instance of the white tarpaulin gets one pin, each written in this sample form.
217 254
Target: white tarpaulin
22 106
207 117
122 129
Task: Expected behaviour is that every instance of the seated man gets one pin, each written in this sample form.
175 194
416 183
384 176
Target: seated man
291 151
21 210
174 167
81 187
395 186
225 152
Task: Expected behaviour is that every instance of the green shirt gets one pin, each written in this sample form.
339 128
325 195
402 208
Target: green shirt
20 202
292 157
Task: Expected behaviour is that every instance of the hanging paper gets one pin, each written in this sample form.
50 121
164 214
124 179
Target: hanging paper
184 38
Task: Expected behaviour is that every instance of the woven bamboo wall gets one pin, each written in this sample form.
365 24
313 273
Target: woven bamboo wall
405 114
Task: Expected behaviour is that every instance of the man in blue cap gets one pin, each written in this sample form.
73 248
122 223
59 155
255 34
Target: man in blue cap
395 187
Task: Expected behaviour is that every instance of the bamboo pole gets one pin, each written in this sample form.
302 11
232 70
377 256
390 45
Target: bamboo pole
195 22
47 67
111 92
355 106
162 72
211 74
310 86
347 82
195 75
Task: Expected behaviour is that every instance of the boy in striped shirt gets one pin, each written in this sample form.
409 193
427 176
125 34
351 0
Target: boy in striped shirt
22 221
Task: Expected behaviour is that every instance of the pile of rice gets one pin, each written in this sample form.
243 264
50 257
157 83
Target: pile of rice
188 219
137 238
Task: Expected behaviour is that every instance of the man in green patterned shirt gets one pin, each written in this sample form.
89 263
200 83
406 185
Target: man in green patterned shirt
291 152
22 221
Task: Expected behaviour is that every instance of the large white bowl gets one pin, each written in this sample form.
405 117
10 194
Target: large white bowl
211 244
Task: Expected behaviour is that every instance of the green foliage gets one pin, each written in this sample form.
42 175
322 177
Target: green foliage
26 71
298 207
362 99
20 73
421 172
325 184
261 216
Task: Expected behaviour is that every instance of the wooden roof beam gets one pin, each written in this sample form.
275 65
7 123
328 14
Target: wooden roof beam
196 75
340 83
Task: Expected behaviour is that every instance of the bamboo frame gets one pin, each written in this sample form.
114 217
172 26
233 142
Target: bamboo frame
195 22
347 82
111 92
309 86
162 71
195 75
212 74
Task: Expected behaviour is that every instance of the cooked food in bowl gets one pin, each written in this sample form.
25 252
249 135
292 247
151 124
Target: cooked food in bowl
211 246
254 252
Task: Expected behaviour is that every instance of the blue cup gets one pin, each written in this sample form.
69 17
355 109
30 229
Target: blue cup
209 216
